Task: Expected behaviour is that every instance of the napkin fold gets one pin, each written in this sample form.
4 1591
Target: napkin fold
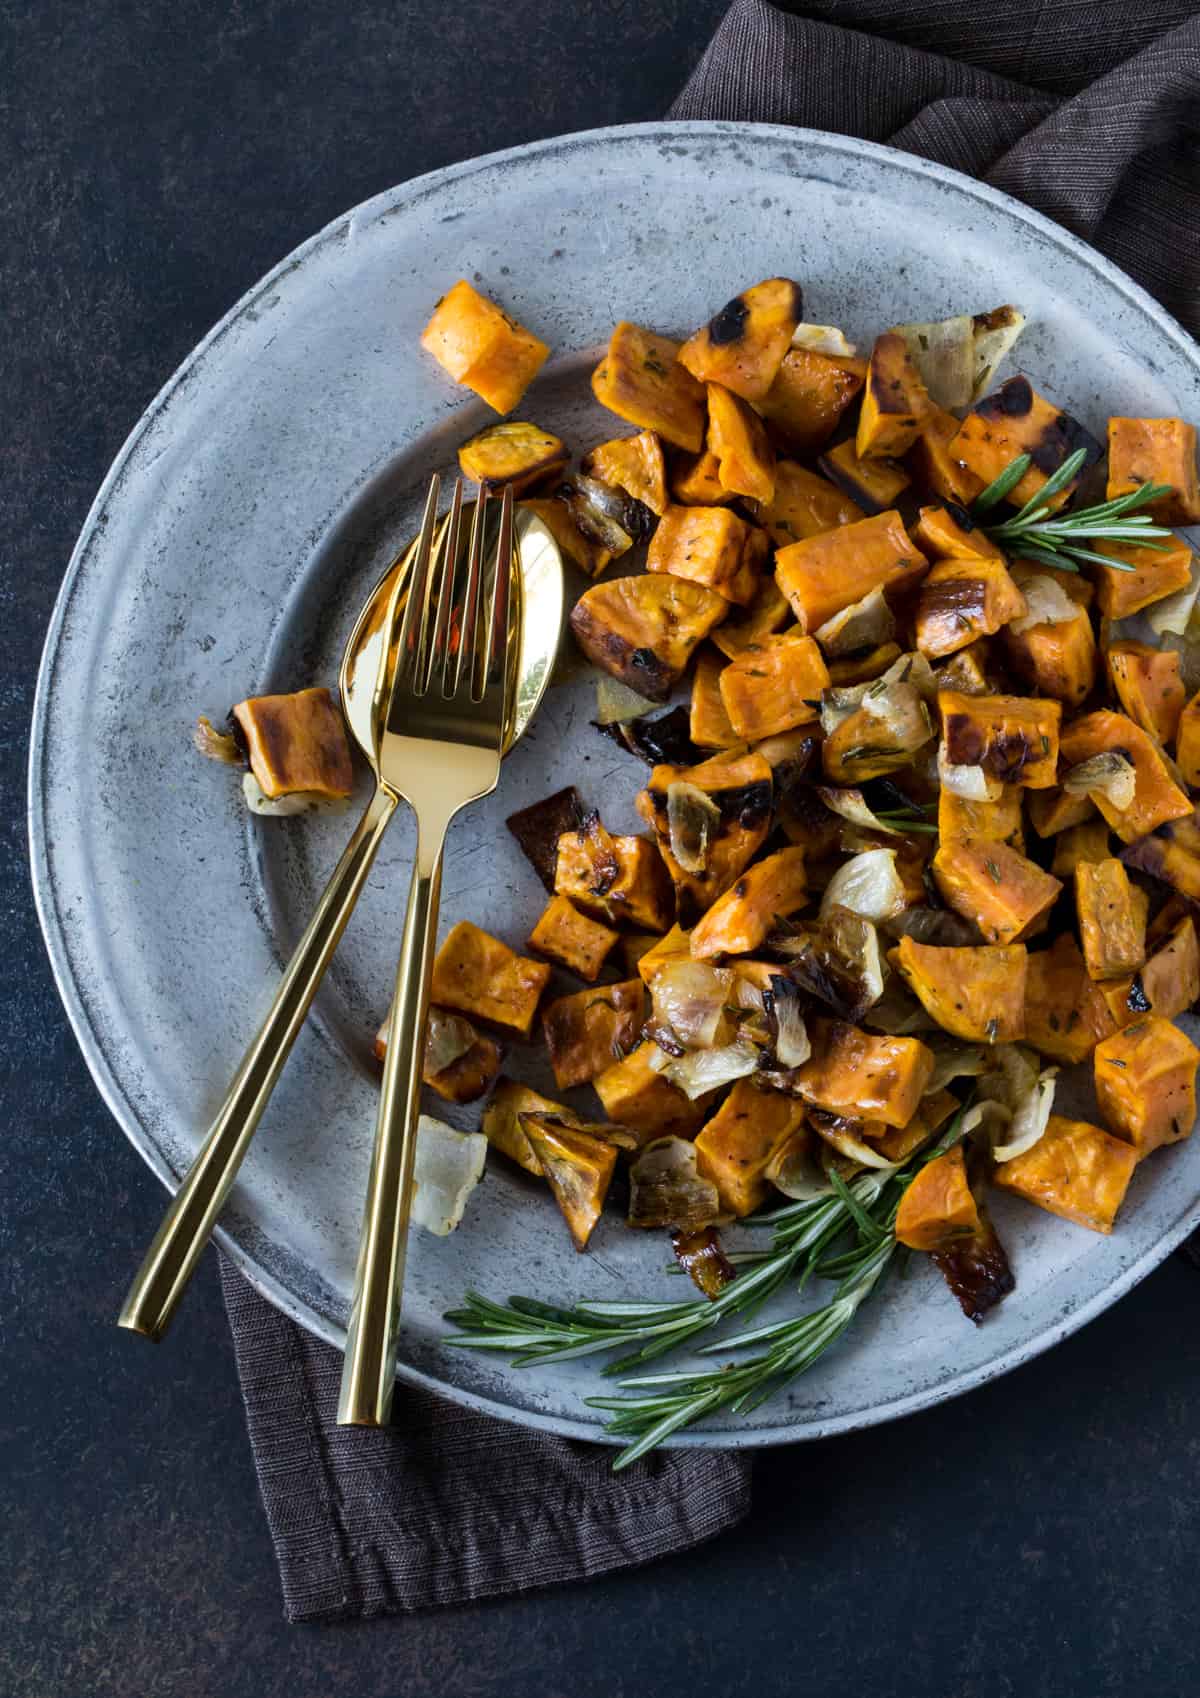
1085 109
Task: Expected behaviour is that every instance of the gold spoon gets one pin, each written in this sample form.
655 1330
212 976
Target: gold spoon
367 664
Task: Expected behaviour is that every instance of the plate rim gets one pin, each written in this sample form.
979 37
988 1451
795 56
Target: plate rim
393 200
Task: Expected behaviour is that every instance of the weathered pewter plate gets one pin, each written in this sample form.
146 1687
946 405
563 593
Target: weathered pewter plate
228 552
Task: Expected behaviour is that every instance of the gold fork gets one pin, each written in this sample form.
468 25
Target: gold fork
440 737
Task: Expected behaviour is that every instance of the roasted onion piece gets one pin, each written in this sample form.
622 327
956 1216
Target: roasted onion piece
665 1188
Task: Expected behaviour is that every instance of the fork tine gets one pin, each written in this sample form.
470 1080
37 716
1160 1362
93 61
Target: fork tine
495 657
416 608
441 596
472 597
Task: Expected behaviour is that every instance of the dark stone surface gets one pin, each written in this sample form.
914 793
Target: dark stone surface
1038 1538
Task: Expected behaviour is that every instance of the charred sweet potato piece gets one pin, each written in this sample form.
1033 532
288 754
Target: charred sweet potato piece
477 974
696 481
511 453
743 346
620 880
739 440
1149 574
738 1144
1159 451
935 467
482 347
823 574
583 551
976 1269
641 380
1112 919
578 1168
804 505
809 396
1002 891
297 744
975 993
1157 798
636 1096
938 1205
863 1075
709 723
1065 1013
741 787
1167 985
762 618
704 545
1075 1170
873 484
1187 743
895 401
589 1030
960 600
460 1063
643 630
1054 657
572 939
1172 854
1016 420
501 1122
948 532
538 828
634 464
740 920
992 822
1146 1083
774 685
1013 738
1148 686
1079 843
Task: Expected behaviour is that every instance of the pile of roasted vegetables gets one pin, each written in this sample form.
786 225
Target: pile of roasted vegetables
922 834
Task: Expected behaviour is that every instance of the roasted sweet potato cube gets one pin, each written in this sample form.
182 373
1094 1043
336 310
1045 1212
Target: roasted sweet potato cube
738 438
1146 1083
297 744
1065 1013
938 1205
460 1063
863 668
1187 743
1112 919
1054 657
743 346
1172 854
643 630
705 545
740 920
809 396
589 1030
897 1143
967 670
804 505
477 974
1149 574
1148 686
1078 843
975 993
1161 451
1167 985
636 1096
993 822
641 380
947 532
1002 891
620 880
739 1143
482 347
1157 798
501 1122
1016 420
762 618
583 551
934 466
873 485
675 946
895 401
578 1169
1013 738
635 464
573 939
1055 810
514 454
742 789
774 685
961 600
708 722
863 1075
869 745
821 575
696 481
1075 1170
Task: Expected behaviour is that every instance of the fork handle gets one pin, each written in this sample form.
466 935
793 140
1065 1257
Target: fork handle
369 1368
163 1276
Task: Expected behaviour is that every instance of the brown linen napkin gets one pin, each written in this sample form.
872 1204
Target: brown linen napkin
1087 112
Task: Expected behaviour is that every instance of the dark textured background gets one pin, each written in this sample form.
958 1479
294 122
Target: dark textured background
1039 1538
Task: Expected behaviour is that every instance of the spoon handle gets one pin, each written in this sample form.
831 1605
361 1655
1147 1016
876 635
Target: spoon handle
163 1276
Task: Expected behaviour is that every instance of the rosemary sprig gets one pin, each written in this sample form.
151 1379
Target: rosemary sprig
1038 532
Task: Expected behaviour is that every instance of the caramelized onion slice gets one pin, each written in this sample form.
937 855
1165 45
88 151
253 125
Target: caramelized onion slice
665 1188
869 885
1111 774
693 822
704 1070
701 1257
690 997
